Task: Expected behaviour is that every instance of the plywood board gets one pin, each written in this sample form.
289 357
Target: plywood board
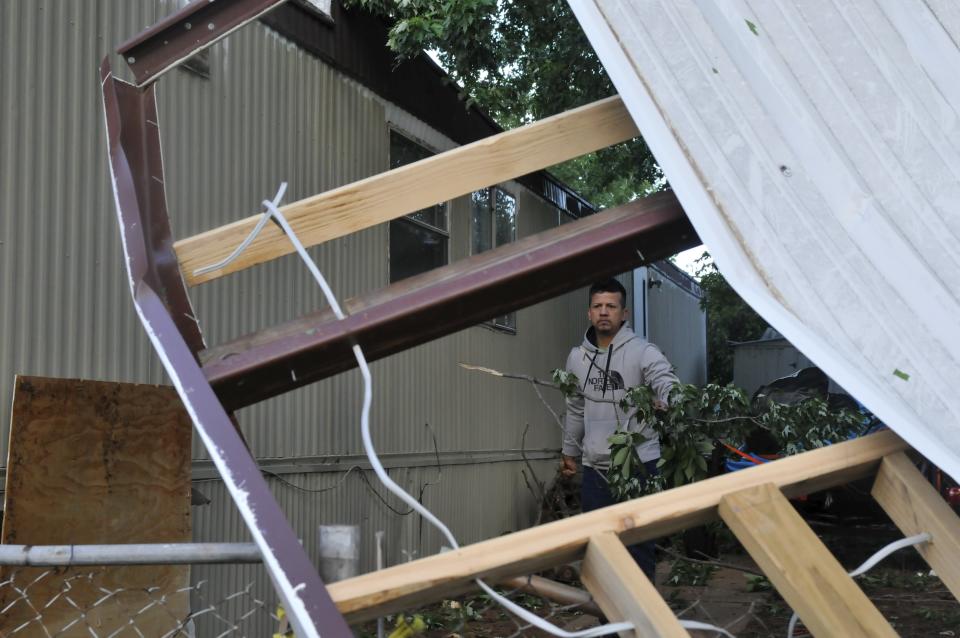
93 462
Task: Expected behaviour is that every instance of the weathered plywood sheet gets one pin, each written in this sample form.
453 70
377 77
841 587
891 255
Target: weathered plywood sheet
815 147
94 462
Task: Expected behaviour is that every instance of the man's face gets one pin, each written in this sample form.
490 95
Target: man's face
606 312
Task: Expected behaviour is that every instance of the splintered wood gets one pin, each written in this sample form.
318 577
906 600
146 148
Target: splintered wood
94 462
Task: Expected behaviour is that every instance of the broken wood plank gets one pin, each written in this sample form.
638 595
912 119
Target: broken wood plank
915 506
402 315
555 591
95 462
624 592
421 581
799 565
403 190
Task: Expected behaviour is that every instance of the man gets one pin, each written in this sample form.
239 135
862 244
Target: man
610 360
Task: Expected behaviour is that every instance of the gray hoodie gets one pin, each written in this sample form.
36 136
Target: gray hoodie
629 361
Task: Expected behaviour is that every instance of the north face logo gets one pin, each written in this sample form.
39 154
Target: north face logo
614 381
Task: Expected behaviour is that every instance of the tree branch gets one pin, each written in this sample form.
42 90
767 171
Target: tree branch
714 563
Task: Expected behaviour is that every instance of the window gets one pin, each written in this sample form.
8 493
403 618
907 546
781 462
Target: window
418 242
493 222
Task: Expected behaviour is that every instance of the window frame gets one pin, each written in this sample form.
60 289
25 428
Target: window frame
444 206
494 323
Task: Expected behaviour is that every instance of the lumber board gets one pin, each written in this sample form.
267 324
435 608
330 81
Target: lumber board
94 462
403 190
799 565
421 581
915 507
624 592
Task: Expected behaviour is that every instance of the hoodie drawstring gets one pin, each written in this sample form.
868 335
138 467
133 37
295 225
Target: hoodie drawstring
606 372
593 362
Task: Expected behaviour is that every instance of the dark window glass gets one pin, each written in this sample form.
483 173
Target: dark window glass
493 214
505 218
420 249
418 242
481 221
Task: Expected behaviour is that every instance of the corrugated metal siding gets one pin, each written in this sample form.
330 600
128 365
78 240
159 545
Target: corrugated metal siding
504 505
64 303
269 112
757 364
678 326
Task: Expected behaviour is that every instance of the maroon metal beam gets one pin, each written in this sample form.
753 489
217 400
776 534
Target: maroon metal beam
133 144
442 301
182 34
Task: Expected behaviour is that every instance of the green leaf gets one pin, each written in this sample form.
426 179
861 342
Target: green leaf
617 438
702 464
620 456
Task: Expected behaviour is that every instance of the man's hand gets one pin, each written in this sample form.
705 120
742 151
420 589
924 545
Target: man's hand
568 465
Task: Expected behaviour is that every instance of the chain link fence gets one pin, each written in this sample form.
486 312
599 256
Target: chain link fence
84 601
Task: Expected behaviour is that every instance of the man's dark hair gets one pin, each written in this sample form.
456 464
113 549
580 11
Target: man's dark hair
608 285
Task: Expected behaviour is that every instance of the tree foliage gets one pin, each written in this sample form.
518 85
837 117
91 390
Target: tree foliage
729 318
698 420
522 60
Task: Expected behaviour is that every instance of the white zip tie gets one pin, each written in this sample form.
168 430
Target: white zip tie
533 619
870 563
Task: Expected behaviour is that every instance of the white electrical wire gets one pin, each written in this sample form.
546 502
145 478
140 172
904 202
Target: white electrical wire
870 563
246 242
527 616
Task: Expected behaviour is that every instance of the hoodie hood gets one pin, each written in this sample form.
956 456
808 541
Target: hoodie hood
623 335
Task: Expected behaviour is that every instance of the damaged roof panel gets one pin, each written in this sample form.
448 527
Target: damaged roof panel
815 146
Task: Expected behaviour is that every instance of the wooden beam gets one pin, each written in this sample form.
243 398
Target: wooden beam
912 503
409 188
800 566
624 592
411 584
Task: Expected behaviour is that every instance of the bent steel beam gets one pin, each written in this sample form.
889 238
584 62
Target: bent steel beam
171 41
159 296
403 315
